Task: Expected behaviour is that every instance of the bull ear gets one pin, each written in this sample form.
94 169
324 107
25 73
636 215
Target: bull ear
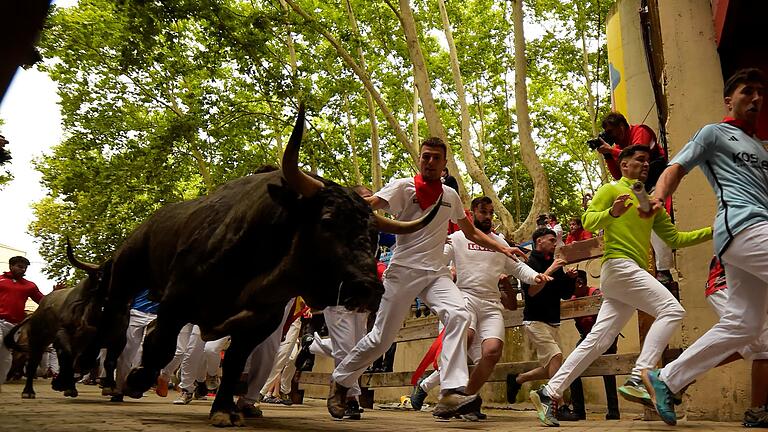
283 196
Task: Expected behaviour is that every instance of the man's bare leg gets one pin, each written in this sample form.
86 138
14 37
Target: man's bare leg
491 353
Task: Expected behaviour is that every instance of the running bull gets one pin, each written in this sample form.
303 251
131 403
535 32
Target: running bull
68 318
230 261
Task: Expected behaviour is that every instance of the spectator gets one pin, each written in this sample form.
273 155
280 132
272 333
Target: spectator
620 135
555 226
577 232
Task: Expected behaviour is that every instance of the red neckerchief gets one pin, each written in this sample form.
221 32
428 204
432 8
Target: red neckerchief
741 124
427 192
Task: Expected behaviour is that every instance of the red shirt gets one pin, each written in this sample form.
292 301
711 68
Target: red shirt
578 235
584 324
13 295
638 134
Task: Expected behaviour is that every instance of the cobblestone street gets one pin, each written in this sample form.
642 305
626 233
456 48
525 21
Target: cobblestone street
50 411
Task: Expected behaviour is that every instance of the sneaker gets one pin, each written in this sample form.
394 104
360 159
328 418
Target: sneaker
161 389
269 399
454 402
546 407
201 391
664 277
353 411
185 397
285 399
633 390
662 396
417 396
564 413
212 382
756 417
337 400
513 388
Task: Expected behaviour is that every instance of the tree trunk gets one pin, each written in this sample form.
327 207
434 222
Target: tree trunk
527 146
515 182
351 130
364 78
375 152
475 172
415 119
421 77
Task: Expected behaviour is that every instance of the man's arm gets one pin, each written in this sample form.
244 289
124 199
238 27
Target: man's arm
376 203
476 236
35 294
604 209
556 265
675 239
667 184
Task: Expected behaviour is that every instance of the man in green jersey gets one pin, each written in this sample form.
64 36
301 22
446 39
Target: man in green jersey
626 285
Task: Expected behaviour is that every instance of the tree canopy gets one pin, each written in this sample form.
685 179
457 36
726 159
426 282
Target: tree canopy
164 101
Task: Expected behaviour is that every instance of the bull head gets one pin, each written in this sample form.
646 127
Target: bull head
307 186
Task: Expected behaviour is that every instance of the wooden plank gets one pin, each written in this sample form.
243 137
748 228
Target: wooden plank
608 364
569 309
581 250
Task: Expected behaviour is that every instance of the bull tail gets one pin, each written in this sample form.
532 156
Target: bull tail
10 341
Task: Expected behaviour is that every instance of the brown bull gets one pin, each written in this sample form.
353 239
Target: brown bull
69 319
230 261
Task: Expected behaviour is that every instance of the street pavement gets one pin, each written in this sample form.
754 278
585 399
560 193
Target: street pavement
50 411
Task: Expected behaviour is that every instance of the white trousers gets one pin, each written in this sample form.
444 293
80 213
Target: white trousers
401 286
281 366
189 356
50 360
757 350
259 362
212 351
662 252
131 355
626 287
746 271
345 329
6 358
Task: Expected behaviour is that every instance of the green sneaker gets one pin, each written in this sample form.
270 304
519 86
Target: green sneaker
756 417
663 397
546 407
633 390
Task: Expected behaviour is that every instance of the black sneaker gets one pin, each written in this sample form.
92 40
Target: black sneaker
353 411
756 417
455 402
564 413
513 388
201 391
417 397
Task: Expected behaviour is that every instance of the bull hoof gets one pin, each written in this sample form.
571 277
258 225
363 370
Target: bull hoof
237 419
221 419
139 380
28 395
108 391
70 393
58 385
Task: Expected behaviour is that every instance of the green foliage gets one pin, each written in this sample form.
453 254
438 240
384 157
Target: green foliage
164 101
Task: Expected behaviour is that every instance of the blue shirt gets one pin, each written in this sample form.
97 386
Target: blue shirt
736 166
142 304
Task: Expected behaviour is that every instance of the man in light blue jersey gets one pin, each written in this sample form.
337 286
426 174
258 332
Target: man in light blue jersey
735 162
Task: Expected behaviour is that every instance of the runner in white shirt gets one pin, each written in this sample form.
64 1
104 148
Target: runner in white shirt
478 270
417 269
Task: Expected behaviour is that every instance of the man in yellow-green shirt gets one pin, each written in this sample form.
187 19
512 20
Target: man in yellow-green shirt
626 285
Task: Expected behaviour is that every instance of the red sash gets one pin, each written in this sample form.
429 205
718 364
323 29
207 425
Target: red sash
427 192
429 358
741 124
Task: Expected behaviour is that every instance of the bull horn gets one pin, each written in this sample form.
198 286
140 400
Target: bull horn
297 180
79 264
407 227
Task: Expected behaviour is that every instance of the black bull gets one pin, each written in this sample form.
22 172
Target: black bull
68 318
230 261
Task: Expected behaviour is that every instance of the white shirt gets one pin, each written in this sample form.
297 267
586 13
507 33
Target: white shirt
478 268
424 248
558 229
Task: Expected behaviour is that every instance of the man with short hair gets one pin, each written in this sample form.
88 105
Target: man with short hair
626 285
735 163
478 270
14 292
541 315
417 269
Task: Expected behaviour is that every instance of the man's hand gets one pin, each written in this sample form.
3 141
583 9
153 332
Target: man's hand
605 148
571 273
656 205
542 278
620 205
514 253
556 264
